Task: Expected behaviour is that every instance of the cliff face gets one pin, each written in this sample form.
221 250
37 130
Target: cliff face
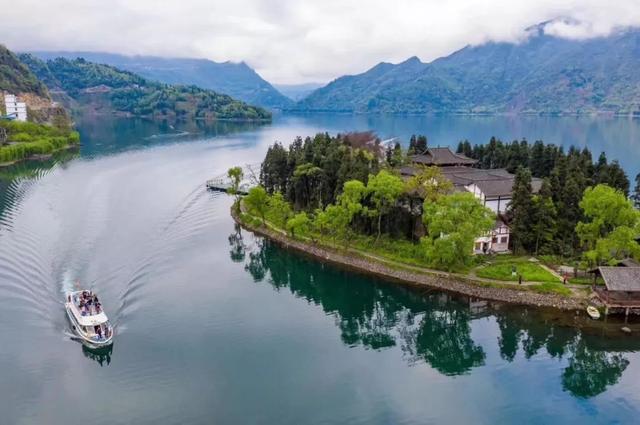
16 78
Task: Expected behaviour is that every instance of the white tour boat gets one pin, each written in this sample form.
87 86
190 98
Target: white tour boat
87 318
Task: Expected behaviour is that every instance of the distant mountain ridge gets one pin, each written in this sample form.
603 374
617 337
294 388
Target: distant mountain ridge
237 80
543 74
297 92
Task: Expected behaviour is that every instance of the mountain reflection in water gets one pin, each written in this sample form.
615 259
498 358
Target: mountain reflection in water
429 326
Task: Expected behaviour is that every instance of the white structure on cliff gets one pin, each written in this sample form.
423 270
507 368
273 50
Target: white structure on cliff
15 109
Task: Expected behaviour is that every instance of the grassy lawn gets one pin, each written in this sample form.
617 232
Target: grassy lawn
551 288
530 272
585 281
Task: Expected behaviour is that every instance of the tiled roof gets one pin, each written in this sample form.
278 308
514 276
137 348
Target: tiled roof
442 156
621 278
493 182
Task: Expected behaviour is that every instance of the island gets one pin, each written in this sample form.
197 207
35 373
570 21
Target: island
520 222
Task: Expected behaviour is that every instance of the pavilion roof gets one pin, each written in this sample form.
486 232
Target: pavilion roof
621 278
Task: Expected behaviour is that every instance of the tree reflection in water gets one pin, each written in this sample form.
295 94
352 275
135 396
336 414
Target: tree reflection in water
238 250
432 327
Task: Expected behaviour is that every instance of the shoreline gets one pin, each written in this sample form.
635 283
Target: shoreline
39 156
410 276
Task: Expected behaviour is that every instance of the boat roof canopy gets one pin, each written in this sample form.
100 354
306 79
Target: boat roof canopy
93 320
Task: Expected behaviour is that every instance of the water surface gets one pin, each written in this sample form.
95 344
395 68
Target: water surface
215 325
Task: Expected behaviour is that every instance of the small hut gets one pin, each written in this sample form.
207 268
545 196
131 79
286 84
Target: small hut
622 287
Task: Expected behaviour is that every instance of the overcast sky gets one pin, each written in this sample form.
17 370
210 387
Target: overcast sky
298 41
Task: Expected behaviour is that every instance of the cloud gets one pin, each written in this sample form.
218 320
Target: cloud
299 40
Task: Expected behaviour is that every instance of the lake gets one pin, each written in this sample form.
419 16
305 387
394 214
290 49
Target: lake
214 325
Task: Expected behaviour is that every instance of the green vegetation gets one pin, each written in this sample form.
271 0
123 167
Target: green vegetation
611 226
16 78
453 222
545 222
503 270
25 139
551 288
89 83
235 175
543 74
344 192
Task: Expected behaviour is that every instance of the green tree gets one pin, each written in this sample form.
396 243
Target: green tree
236 175
453 223
257 202
299 224
611 227
394 154
307 183
636 193
384 190
429 183
544 219
521 211
279 210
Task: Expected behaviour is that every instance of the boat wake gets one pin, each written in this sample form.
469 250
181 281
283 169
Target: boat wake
57 230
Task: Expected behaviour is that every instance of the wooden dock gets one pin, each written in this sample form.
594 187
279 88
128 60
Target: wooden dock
222 183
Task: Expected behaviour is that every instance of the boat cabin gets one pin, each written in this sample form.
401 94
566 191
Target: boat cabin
88 315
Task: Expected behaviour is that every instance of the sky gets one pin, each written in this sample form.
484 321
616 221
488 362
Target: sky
298 41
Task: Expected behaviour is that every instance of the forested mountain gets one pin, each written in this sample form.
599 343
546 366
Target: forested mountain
543 74
237 80
105 89
16 78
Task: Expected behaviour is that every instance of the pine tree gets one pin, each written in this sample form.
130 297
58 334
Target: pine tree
636 193
545 216
521 211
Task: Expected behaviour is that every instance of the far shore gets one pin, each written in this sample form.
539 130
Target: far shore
414 276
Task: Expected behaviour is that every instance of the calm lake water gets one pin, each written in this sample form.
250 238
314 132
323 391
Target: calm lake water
217 326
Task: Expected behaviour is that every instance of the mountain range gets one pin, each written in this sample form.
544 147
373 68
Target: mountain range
237 80
543 74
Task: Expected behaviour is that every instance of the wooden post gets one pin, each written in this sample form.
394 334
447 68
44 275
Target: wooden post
626 315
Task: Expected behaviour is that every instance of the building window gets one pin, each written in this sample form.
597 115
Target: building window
494 240
504 239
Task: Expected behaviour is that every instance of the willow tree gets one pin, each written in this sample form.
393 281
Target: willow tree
453 222
384 189
429 183
611 225
235 175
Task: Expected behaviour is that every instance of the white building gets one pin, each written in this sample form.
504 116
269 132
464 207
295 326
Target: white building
15 109
494 188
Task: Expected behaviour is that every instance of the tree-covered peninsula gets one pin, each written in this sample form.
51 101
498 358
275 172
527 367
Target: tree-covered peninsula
97 88
351 191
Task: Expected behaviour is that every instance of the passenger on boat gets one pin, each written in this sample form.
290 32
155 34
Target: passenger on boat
98 330
98 305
